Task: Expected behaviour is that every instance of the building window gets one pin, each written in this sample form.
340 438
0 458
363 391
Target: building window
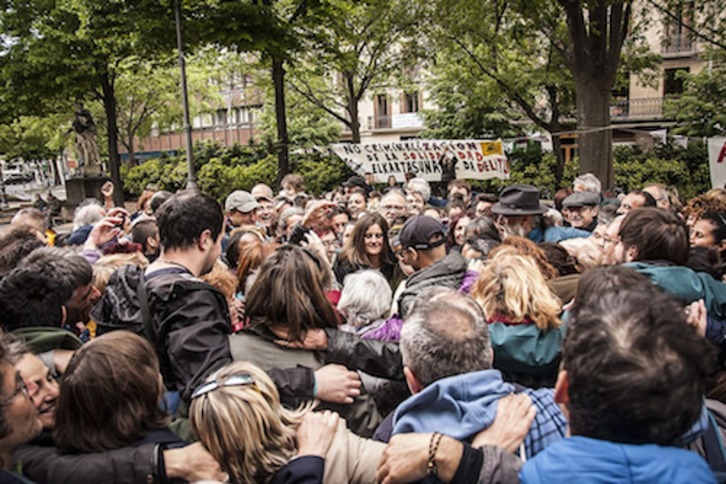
243 116
678 36
220 118
382 111
672 82
410 103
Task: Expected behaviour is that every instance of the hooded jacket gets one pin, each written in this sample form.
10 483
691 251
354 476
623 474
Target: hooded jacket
586 460
190 321
191 326
446 272
463 405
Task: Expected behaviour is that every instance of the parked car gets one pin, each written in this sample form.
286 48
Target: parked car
13 178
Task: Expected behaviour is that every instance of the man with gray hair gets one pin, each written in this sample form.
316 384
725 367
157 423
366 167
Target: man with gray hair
393 205
587 182
447 358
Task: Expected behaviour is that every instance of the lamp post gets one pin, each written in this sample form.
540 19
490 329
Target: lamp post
191 175
3 194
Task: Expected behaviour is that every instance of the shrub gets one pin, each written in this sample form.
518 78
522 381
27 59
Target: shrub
222 170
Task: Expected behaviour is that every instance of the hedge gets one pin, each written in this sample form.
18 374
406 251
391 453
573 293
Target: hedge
222 170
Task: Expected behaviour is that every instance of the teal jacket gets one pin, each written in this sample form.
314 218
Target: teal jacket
687 284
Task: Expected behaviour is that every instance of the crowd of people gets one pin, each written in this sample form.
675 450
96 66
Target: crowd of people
375 333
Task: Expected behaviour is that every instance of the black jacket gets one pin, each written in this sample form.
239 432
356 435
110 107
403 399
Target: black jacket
191 326
446 272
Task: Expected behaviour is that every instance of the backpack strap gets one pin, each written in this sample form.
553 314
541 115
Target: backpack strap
143 297
714 449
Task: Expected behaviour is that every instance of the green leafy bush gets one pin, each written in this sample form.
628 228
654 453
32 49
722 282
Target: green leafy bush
223 170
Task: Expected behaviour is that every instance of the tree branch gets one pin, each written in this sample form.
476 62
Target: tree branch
511 92
312 99
680 22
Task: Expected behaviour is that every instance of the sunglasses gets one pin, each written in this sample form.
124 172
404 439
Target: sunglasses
238 380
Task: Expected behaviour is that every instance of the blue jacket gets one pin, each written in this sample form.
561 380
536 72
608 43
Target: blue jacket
586 460
463 405
555 234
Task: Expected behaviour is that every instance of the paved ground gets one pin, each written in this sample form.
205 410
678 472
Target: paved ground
22 195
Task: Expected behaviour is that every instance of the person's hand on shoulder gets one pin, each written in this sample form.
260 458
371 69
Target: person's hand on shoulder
316 432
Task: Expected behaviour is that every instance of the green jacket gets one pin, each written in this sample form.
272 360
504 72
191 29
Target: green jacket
687 284
41 338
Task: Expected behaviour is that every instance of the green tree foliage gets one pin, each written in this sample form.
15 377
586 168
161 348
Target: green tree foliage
309 126
364 45
147 94
31 138
700 111
670 164
499 61
223 170
57 50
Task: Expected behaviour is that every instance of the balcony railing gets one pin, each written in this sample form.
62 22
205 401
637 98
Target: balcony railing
635 109
382 121
678 44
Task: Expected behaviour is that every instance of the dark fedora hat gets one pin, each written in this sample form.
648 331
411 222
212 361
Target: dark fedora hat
519 200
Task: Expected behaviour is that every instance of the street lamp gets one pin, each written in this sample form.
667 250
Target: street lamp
191 175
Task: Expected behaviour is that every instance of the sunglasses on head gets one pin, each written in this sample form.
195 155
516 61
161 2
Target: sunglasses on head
240 379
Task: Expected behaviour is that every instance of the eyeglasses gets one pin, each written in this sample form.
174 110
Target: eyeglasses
609 240
20 387
238 380
393 207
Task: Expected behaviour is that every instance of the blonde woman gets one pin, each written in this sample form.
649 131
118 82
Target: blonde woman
523 317
238 417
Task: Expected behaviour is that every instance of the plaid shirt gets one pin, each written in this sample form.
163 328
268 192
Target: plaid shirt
549 425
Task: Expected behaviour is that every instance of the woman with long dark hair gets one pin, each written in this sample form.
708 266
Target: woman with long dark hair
288 299
110 396
366 248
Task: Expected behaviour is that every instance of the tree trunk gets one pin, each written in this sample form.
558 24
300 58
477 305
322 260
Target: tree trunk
595 143
55 171
560 156
132 150
352 109
109 105
278 79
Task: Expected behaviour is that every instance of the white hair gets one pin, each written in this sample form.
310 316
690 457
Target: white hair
587 183
366 296
586 251
420 186
88 213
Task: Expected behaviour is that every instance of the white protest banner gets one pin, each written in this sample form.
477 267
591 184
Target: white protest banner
474 159
717 161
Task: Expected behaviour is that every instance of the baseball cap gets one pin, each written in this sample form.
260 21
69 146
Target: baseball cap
356 181
241 201
418 232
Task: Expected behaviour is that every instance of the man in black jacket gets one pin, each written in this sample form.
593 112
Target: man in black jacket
186 319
